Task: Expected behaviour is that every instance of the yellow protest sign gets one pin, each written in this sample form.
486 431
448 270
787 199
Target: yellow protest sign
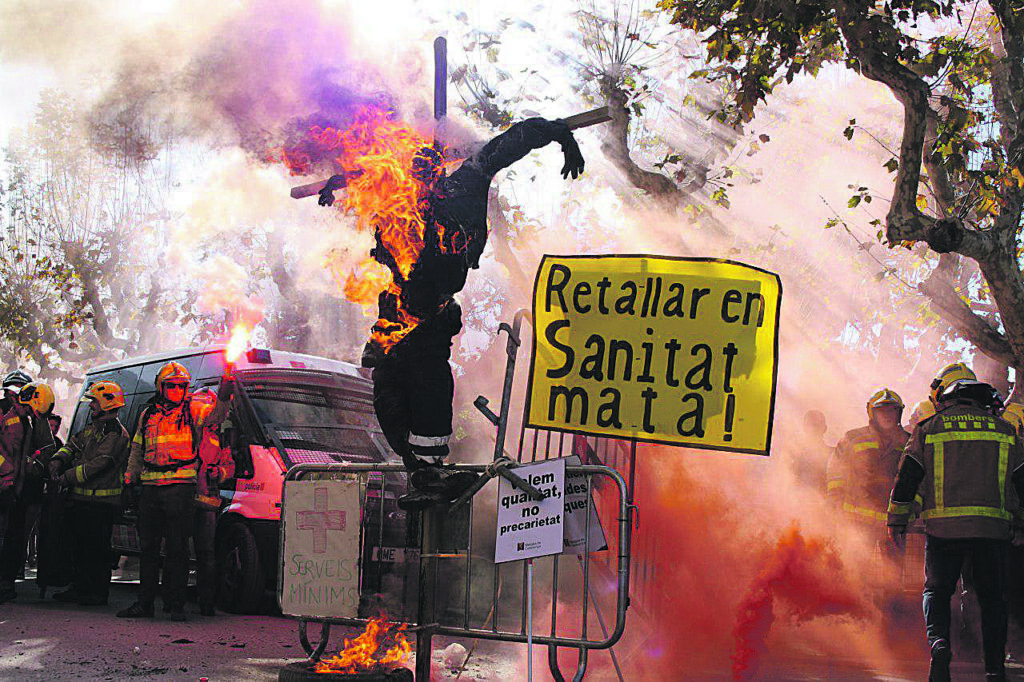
682 351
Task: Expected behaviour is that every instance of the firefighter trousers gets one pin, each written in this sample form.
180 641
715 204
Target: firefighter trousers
203 536
413 398
165 514
943 563
91 523
12 555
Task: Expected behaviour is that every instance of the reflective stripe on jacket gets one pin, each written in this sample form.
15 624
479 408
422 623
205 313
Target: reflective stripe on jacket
95 459
861 471
964 460
162 451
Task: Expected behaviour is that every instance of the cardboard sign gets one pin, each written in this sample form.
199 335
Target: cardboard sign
682 351
320 556
530 528
576 514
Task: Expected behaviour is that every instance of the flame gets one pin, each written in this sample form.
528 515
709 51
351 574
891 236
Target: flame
363 654
375 152
238 343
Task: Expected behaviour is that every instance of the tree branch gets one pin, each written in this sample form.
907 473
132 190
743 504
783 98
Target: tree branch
939 289
616 147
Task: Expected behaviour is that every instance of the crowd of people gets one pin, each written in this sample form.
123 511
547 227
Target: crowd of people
957 476
169 471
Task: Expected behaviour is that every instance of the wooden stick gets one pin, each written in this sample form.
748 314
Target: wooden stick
575 122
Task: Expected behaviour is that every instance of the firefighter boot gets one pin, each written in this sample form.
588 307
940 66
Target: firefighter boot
443 481
136 610
938 671
417 500
995 677
68 596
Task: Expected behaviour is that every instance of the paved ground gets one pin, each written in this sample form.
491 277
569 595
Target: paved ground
46 640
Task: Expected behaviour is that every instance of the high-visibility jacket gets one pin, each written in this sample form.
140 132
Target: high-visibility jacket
969 466
861 470
94 460
215 465
164 448
22 433
12 450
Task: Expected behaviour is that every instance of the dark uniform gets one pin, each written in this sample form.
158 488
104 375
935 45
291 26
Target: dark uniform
967 463
25 437
216 465
861 471
164 459
93 463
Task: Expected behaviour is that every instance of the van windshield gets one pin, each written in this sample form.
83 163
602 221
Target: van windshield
316 423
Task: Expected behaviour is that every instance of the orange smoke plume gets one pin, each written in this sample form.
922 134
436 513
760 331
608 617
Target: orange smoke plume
803 575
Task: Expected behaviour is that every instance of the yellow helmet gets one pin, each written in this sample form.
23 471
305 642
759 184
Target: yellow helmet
38 396
886 397
923 410
107 394
172 371
1014 414
949 374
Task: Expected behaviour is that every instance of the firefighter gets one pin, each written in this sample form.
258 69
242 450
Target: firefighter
862 468
11 385
413 385
216 465
26 438
971 463
164 460
92 465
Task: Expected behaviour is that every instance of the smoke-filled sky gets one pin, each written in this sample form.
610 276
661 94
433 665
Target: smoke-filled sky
238 80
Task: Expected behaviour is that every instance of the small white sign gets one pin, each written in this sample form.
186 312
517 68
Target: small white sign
530 528
576 514
320 556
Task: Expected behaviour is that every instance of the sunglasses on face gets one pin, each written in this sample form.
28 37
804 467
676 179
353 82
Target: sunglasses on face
174 387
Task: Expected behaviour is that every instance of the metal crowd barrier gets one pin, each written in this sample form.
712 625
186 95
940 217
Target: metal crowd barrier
461 616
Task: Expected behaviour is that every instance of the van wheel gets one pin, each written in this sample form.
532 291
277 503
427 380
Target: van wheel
240 577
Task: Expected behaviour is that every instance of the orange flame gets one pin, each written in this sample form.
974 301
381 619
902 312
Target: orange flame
363 654
376 153
239 342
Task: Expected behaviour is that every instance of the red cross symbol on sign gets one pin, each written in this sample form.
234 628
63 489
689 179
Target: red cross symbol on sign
319 520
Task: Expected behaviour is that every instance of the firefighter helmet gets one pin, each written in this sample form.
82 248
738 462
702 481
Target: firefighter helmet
172 372
886 397
107 394
1014 413
15 380
970 392
950 373
38 396
923 410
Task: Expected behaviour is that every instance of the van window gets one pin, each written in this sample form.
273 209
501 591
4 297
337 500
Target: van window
80 420
126 377
315 423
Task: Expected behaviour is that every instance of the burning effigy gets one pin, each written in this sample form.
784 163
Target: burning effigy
430 229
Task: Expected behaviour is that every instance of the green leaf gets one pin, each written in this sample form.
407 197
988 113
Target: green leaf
854 201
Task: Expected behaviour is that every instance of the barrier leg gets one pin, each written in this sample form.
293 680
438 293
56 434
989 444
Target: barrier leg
314 652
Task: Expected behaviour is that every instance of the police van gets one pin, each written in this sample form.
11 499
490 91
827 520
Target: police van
289 409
